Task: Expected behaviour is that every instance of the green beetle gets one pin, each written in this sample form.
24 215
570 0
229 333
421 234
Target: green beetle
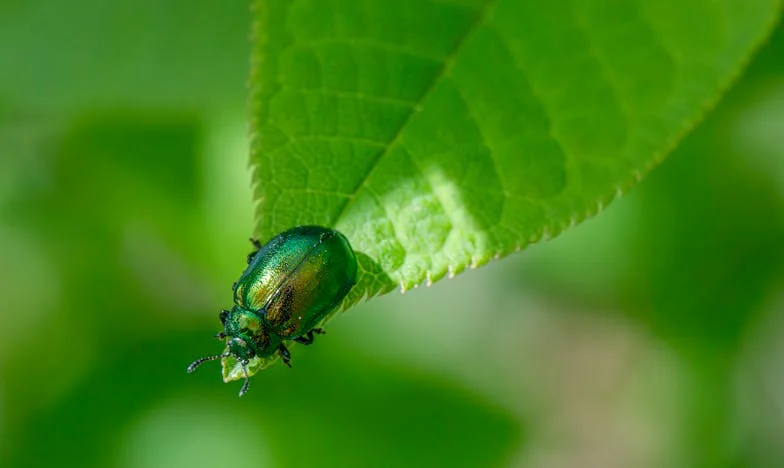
291 285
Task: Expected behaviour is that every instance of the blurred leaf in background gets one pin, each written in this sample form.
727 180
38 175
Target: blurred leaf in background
649 336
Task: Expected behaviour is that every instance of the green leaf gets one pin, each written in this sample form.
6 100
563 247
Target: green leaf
440 134
231 368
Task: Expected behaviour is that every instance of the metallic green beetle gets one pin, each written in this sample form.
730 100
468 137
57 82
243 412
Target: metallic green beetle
291 285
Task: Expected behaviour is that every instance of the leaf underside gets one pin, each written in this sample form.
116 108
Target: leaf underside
437 135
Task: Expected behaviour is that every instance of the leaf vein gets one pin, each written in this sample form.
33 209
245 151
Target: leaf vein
546 110
355 95
368 42
443 73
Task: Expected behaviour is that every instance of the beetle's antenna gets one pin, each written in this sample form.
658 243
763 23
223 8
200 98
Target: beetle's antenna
247 379
201 361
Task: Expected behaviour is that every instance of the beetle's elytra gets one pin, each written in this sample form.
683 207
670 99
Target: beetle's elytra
291 285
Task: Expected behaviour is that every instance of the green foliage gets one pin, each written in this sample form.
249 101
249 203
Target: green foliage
438 135
67 56
648 336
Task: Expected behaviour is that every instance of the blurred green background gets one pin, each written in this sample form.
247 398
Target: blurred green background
649 336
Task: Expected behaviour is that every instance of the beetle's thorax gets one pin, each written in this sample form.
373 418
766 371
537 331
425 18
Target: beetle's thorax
248 335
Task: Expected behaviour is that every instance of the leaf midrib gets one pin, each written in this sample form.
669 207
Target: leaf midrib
443 72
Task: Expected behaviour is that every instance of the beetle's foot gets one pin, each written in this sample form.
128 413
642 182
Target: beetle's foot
285 355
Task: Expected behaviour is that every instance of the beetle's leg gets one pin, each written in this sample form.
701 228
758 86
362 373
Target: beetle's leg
284 354
256 244
305 339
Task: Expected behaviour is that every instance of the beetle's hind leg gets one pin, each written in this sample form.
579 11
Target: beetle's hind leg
284 354
307 338
257 245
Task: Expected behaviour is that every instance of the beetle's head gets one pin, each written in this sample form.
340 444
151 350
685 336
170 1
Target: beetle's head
240 327
240 349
